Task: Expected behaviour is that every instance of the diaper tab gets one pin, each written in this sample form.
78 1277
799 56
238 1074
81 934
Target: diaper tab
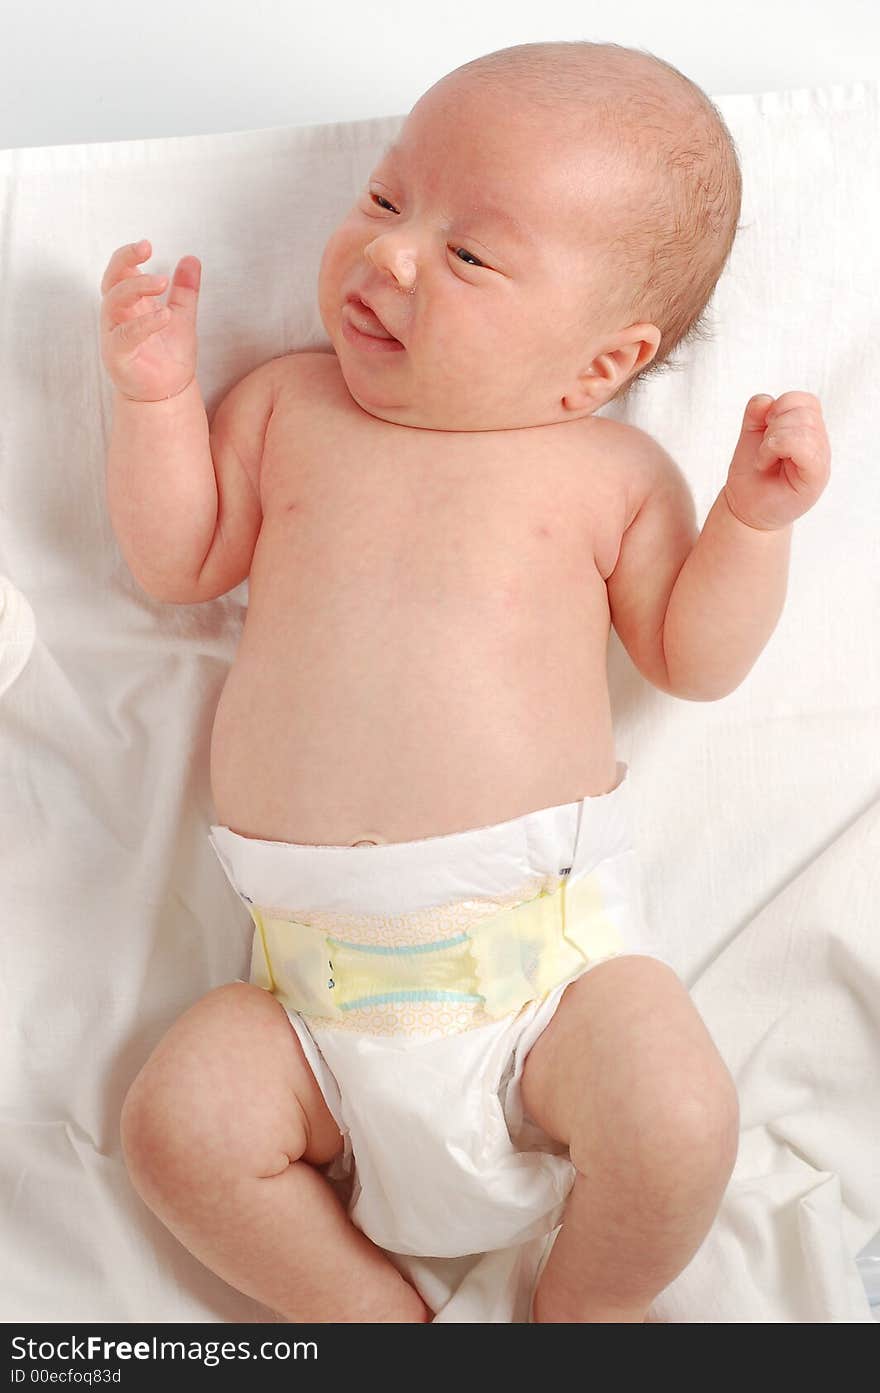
523 953
500 963
293 961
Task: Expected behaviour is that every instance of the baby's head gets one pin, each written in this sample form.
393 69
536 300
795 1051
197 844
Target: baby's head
549 225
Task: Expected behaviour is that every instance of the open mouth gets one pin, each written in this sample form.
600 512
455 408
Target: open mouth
362 327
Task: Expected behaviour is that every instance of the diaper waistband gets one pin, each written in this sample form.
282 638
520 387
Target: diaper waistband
403 877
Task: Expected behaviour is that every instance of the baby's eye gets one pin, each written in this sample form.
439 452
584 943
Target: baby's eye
474 261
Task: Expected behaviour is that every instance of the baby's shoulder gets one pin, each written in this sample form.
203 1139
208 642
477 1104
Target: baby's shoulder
642 464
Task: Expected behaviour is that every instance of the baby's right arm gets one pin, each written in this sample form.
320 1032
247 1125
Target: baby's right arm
183 496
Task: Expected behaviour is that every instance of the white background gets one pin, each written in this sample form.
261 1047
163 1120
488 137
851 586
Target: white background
103 70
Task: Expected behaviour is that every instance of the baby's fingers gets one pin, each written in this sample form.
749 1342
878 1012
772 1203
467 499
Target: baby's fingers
185 285
133 288
133 332
124 263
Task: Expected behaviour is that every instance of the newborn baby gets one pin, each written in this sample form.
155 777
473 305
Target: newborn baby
457 1037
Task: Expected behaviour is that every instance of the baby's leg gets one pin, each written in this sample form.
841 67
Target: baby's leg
627 1075
221 1131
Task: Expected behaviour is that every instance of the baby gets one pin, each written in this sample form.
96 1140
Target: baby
457 1037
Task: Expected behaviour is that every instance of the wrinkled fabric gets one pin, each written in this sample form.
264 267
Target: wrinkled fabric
756 817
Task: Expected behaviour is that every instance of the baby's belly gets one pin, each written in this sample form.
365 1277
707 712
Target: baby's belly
386 725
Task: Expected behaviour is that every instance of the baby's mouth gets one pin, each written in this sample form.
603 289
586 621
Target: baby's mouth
364 319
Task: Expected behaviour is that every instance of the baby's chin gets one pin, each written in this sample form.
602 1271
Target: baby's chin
382 401
409 418
379 405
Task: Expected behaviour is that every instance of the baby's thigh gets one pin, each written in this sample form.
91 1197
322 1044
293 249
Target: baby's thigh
627 1051
229 1089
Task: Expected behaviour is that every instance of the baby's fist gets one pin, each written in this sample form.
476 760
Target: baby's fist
782 461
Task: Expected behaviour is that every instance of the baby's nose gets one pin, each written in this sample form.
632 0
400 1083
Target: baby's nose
405 270
400 262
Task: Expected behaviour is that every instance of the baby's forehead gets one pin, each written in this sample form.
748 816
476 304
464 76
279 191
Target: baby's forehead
556 183
499 160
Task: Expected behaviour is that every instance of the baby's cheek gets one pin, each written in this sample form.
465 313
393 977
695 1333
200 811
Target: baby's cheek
329 263
337 252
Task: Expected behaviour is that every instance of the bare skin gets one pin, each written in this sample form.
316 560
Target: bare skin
425 652
446 553
300 752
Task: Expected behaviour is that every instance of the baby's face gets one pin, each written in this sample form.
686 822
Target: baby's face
470 243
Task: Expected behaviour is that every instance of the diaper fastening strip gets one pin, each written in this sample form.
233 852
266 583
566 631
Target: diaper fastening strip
500 963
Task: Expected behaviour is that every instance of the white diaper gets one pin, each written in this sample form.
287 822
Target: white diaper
423 1081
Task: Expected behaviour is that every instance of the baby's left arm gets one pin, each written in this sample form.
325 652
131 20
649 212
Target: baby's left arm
707 624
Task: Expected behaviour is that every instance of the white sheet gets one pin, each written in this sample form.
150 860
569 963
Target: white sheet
758 817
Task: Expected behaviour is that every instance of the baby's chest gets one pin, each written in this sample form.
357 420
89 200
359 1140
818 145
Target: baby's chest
442 513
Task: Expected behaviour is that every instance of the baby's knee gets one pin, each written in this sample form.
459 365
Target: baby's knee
698 1119
156 1133
143 1145
189 1119
680 1110
682 1124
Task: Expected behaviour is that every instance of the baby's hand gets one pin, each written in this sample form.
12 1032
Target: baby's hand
150 353
781 463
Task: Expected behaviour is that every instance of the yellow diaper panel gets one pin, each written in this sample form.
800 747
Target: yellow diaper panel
490 969
523 952
440 972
